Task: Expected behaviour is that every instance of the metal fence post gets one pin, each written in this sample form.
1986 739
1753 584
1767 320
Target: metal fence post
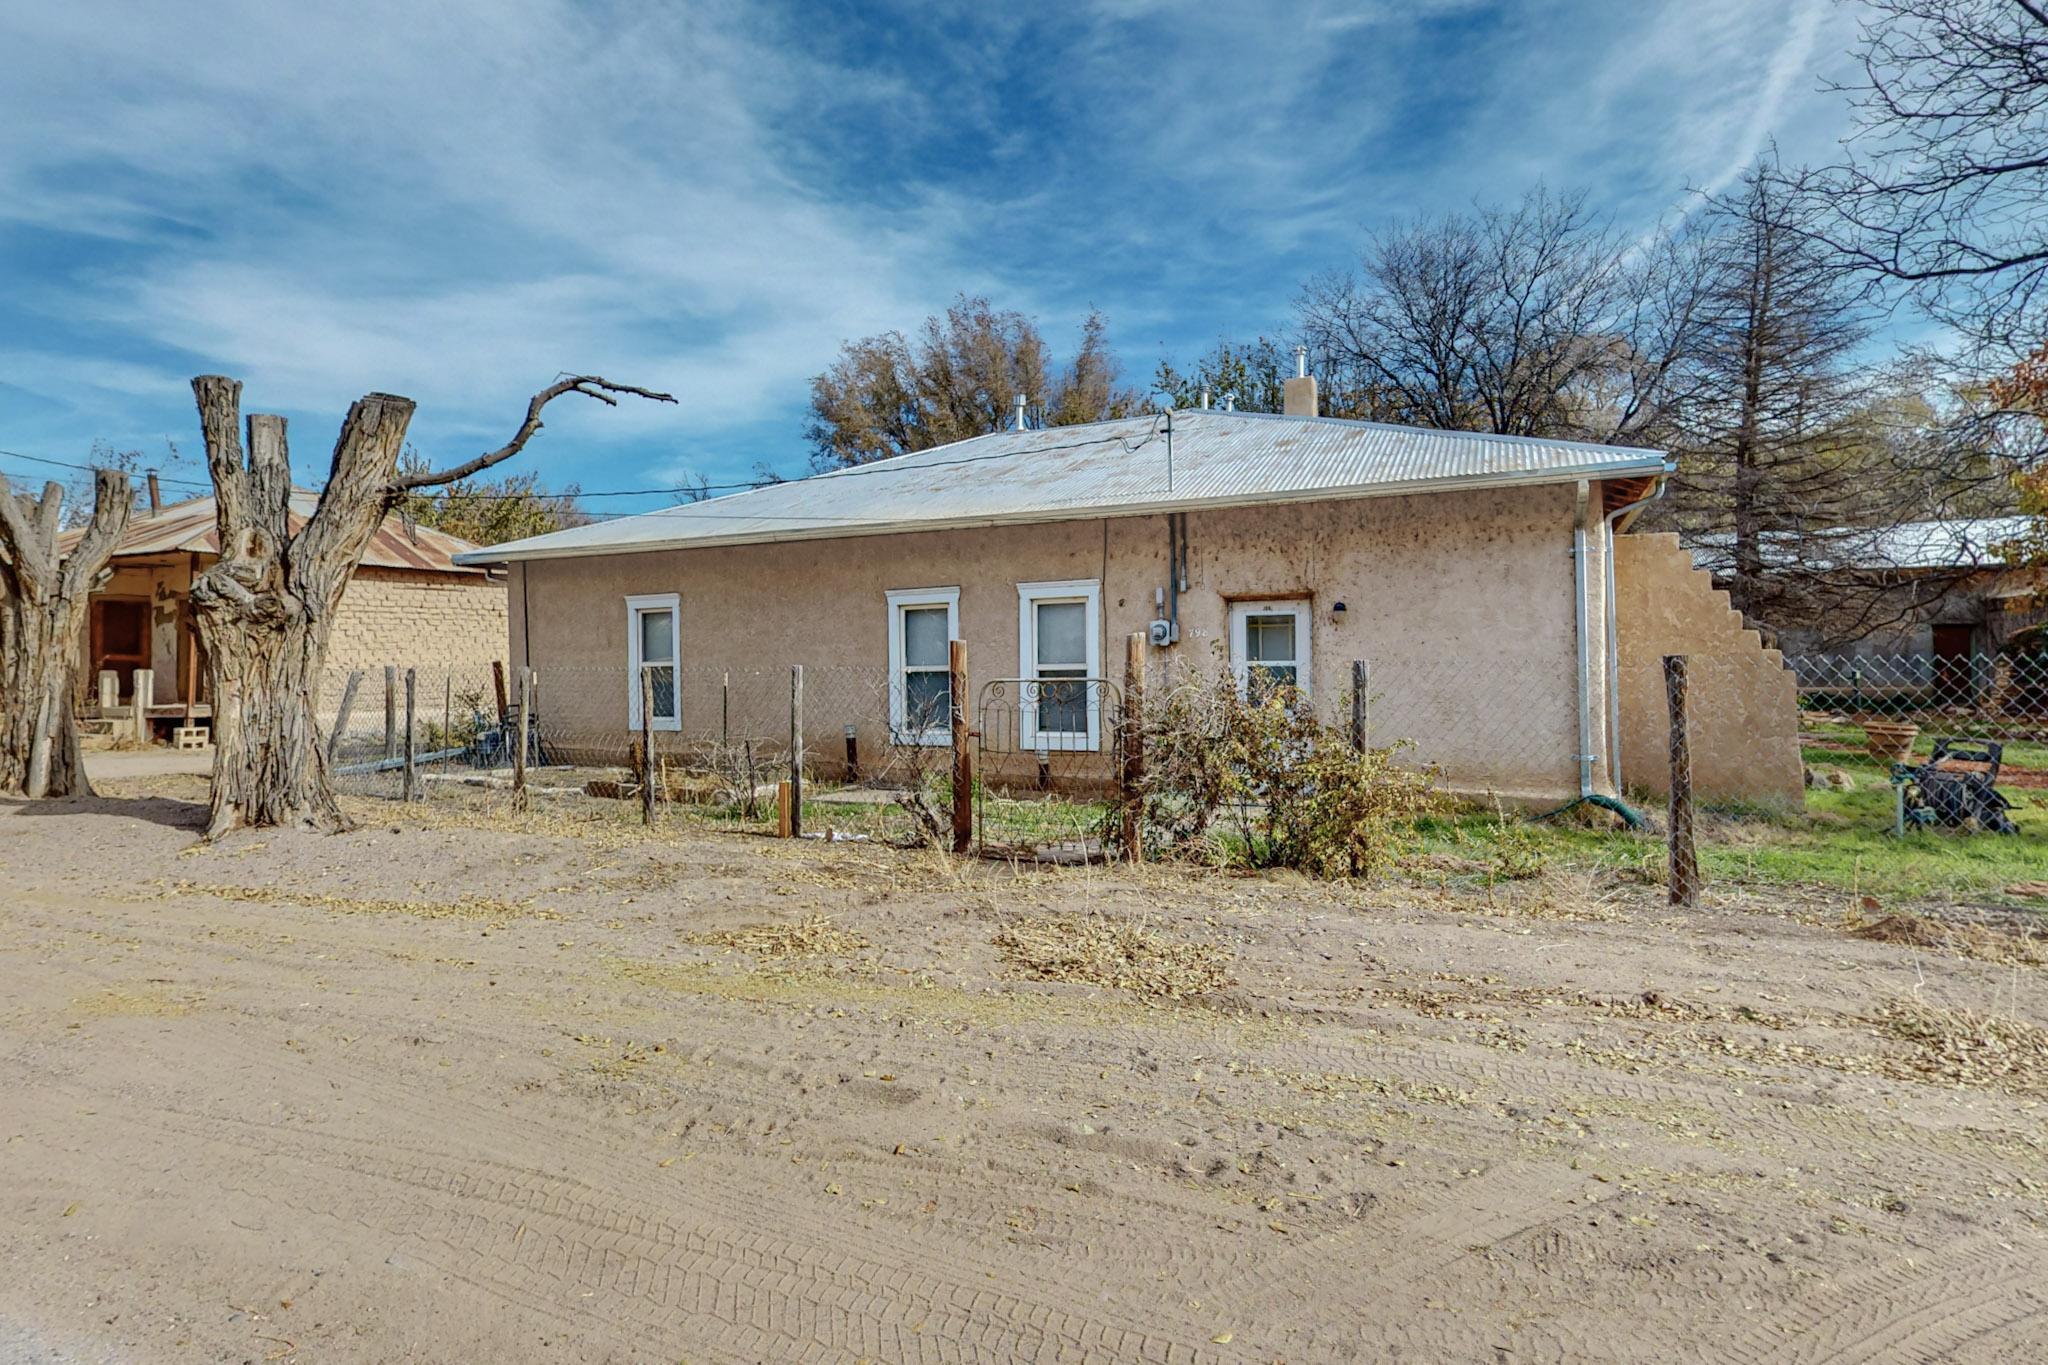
648 774
1131 779
525 721
963 759
1685 869
796 751
1358 696
412 769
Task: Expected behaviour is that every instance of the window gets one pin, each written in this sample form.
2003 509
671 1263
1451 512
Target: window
653 649
1059 634
1269 645
923 623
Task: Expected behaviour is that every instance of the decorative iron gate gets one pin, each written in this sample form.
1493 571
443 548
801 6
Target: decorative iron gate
1047 752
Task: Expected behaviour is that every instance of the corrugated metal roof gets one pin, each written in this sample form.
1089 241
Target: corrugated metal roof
1955 543
1218 459
193 526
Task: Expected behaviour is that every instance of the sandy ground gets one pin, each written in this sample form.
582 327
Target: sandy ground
446 1094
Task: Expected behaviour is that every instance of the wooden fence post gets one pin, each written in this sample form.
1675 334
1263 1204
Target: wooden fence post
412 769
498 683
648 773
1131 780
143 686
348 704
796 751
1359 693
1685 868
963 758
390 711
525 721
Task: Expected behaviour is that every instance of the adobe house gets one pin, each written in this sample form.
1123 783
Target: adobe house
409 603
1470 572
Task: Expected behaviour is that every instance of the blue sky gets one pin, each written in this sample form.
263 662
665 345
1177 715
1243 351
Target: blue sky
458 201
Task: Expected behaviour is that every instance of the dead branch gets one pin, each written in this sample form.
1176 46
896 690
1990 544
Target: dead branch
589 385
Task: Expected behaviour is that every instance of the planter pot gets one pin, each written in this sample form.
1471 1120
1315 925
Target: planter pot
1887 742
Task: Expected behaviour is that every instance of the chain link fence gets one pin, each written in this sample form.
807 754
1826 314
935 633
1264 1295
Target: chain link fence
1997 697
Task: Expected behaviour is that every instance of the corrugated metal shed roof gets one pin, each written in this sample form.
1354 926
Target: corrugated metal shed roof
193 526
1119 468
1955 543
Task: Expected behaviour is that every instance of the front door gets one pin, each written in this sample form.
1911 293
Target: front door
120 638
1952 665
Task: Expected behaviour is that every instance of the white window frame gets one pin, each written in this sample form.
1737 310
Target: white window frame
1029 595
636 606
901 600
1304 641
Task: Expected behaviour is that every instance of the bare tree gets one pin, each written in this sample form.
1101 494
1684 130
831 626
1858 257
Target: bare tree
43 599
265 607
1945 189
1532 320
887 395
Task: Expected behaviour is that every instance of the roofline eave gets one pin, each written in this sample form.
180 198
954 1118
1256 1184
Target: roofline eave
1654 463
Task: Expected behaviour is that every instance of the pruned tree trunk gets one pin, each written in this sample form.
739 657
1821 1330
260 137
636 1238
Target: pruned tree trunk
43 598
265 608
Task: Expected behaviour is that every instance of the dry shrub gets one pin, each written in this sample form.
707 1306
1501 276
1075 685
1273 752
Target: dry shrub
1965 1047
812 936
1284 788
1963 940
1123 954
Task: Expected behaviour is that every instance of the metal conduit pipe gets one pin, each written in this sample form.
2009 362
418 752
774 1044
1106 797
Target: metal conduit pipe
1614 632
1585 643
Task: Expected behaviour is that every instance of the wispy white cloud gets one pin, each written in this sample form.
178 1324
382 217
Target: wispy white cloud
457 201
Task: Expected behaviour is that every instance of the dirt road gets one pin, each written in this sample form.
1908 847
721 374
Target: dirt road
453 1095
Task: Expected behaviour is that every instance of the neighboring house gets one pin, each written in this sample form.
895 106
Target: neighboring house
409 603
1447 561
1940 591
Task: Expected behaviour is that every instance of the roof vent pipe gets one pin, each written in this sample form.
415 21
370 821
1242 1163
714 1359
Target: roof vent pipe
1205 398
1230 401
1301 362
1020 412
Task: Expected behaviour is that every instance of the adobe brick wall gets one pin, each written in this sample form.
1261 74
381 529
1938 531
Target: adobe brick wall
423 620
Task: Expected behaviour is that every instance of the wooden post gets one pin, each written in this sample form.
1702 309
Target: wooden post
498 681
796 751
852 755
447 711
785 816
1130 781
1685 868
412 770
649 773
144 683
1358 699
525 720
390 711
348 704
191 675
963 758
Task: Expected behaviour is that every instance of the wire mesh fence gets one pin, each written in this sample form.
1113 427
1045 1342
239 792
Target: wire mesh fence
1998 697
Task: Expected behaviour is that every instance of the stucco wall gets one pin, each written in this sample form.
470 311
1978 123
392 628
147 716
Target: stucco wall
1743 706
1462 605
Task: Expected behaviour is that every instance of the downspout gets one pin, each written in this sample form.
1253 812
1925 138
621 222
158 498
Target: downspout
1585 643
1614 631
1586 757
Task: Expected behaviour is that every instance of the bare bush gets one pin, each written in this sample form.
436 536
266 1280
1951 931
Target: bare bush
1253 776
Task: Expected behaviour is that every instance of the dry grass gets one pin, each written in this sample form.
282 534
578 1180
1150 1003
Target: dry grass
1961 940
464 907
1965 1047
812 936
1122 954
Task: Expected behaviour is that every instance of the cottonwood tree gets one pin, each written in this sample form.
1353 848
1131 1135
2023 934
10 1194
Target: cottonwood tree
43 597
889 395
265 607
1535 319
488 511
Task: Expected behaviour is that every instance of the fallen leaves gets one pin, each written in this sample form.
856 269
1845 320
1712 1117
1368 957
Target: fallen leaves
1122 954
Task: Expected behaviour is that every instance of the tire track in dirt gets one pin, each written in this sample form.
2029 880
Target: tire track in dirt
1917 1308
